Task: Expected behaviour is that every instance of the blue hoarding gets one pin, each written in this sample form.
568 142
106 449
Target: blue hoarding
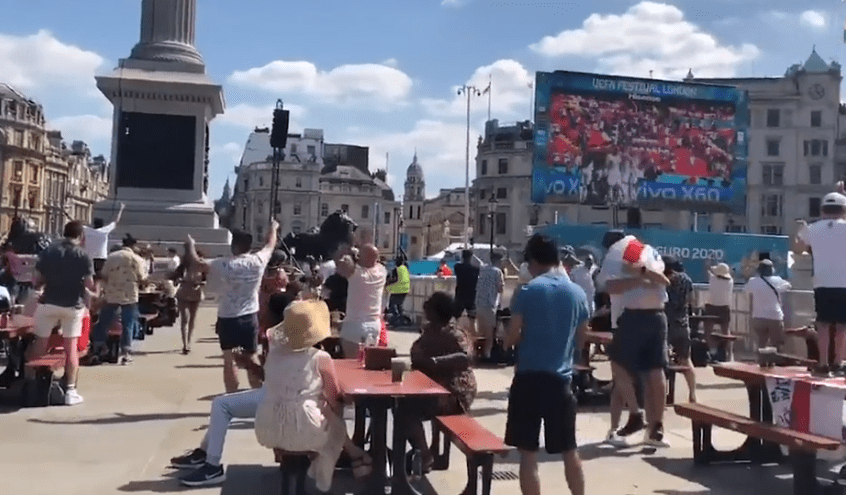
612 140
694 249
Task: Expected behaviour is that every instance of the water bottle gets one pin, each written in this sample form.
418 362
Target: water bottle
361 346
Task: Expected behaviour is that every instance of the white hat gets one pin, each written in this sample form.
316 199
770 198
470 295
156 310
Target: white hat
722 271
834 199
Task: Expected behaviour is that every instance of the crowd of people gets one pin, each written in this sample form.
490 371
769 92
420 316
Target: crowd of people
610 144
272 315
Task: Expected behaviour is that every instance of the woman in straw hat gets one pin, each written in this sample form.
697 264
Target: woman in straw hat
301 409
720 290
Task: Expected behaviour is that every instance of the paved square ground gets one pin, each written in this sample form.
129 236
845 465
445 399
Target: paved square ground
136 417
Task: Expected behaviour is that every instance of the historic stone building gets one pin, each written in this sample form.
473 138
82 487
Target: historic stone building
443 217
41 179
316 179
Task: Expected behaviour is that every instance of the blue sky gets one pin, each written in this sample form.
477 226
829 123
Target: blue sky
372 73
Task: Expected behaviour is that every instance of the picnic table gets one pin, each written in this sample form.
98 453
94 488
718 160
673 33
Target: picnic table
377 392
17 327
764 438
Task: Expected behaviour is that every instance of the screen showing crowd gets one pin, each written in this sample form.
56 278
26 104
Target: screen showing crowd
610 142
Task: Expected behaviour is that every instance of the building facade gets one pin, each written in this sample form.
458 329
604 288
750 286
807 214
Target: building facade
443 217
41 179
793 135
310 189
412 209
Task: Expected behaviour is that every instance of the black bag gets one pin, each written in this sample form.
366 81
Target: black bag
700 355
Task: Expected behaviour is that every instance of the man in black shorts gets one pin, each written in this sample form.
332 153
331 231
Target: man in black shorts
549 316
237 279
466 275
680 298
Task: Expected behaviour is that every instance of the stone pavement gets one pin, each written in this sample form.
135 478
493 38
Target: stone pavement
135 418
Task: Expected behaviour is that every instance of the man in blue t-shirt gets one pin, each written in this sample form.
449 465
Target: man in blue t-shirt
549 316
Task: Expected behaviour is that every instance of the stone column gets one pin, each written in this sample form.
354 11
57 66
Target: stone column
168 30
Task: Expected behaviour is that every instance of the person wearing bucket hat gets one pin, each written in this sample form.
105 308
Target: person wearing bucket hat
825 239
300 410
720 290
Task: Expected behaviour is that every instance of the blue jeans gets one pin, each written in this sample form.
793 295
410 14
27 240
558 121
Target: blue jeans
129 320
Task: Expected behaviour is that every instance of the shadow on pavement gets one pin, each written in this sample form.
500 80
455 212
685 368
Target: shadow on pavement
169 484
599 450
728 479
120 418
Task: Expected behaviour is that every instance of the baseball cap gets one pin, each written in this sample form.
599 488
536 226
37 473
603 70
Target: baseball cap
834 199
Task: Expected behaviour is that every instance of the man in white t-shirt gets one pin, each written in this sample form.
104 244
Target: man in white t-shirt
363 319
96 240
236 280
767 291
583 275
825 239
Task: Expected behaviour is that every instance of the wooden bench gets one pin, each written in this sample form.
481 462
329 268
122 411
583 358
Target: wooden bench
803 446
724 345
670 371
293 465
38 379
477 443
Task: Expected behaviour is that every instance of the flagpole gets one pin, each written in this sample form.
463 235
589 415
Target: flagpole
490 92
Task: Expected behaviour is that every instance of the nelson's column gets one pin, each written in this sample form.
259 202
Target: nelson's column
163 103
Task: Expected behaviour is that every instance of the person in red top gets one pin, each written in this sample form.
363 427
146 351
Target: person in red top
444 270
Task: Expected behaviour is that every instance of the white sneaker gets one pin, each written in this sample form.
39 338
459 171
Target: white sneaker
72 397
615 440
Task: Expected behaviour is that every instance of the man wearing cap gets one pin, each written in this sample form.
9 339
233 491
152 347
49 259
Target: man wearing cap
825 239
122 275
720 290
640 342
766 289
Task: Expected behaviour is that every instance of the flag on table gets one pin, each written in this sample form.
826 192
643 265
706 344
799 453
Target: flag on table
809 408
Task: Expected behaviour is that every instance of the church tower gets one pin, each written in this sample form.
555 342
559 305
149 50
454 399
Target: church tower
415 194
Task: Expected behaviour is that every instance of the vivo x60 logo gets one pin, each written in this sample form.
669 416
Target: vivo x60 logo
679 192
567 186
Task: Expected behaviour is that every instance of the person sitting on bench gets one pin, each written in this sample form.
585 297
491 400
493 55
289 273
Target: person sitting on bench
443 354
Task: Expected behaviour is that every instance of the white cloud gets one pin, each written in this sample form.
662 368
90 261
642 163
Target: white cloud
648 37
813 19
93 129
391 62
373 84
452 3
511 95
41 61
251 116
225 156
441 152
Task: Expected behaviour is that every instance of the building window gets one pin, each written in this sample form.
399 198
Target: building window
418 213
299 182
816 147
414 239
260 231
483 193
311 151
503 166
293 148
502 193
814 205
500 223
298 209
345 208
246 184
33 173
484 167
773 146
387 217
324 209
19 138
816 118
770 230
771 205
772 175
260 207
410 212
773 117
365 211
19 170
815 174
483 220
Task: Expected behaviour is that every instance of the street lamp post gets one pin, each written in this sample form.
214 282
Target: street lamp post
492 204
468 91
428 237
244 212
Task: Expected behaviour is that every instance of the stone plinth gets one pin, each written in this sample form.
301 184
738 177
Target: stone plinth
163 104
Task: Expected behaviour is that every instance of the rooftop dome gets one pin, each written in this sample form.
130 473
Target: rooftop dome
415 170
815 63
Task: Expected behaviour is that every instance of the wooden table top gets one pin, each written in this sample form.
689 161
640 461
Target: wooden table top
355 381
755 375
17 323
